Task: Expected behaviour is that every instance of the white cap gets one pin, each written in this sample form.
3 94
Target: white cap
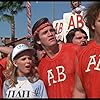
18 49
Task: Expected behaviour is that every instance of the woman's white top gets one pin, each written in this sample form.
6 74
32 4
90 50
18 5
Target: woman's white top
24 89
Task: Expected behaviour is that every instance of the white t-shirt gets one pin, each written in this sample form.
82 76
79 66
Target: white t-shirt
24 89
79 9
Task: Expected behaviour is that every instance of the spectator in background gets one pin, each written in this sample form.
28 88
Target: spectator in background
40 53
88 72
5 50
57 68
77 7
77 36
3 61
23 80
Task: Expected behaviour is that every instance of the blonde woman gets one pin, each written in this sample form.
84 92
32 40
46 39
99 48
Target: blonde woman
22 78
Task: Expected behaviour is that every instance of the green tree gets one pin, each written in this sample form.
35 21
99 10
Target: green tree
8 10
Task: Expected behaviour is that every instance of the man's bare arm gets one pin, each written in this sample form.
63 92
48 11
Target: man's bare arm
79 91
5 49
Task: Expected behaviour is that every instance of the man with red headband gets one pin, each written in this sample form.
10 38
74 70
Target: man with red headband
57 68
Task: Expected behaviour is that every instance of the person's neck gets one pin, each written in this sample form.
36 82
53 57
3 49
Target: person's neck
19 74
97 39
53 51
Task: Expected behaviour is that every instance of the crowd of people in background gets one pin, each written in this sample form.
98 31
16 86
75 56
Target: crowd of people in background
52 69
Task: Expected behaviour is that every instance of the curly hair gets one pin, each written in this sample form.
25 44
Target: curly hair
72 32
92 13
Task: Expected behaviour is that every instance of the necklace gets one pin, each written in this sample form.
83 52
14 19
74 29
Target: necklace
21 81
22 84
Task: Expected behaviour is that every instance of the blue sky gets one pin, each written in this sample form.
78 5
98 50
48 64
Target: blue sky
39 10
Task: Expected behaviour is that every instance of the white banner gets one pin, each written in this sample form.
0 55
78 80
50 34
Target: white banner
58 25
69 21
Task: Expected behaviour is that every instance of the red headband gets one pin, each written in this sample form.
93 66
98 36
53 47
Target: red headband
43 26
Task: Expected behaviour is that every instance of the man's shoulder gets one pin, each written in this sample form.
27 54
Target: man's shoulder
72 46
86 49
